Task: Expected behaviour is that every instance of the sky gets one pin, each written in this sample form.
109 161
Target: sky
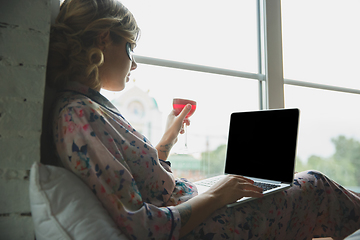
320 44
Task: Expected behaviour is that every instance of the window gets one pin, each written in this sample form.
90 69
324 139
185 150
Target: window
216 96
320 58
320 52
321 41
211 33
202 50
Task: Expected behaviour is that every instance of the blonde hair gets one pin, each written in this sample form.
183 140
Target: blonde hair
74 53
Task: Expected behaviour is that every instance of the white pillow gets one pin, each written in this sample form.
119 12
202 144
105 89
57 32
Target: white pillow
354 236
63 207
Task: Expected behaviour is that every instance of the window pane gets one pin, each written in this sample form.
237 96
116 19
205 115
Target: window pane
212 33
147 102
321 41
329 134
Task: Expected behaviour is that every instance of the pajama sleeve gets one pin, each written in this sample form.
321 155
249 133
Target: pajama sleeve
112 164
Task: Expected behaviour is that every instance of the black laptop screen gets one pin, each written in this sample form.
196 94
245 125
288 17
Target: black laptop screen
262 144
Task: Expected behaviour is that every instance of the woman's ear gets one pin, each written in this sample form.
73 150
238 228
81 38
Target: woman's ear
103 40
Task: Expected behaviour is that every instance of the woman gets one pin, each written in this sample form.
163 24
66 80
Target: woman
91 48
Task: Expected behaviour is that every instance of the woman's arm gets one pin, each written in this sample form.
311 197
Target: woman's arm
174 126
228 190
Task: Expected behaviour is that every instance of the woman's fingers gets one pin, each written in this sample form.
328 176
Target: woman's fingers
184 112
250 187
187 121
242 178
247 187
233 187
248 193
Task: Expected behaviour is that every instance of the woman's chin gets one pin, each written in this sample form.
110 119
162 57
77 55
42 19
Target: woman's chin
114 88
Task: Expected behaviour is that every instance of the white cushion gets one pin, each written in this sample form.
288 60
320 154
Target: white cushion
63 207
354 236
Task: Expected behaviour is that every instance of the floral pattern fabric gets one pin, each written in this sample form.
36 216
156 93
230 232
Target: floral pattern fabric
122 168
139 191
314 207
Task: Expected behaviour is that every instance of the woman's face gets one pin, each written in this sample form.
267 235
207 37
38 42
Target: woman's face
115 71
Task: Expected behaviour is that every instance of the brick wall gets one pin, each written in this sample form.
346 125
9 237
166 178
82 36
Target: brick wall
24 36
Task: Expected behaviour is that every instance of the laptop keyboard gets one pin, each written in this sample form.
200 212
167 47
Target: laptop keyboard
266 186
211 181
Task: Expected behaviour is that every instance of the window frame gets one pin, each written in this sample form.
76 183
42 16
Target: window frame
271 84
270 59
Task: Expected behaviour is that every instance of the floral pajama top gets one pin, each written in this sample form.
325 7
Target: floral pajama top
122 168
120 165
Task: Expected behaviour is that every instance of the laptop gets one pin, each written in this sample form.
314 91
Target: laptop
262 147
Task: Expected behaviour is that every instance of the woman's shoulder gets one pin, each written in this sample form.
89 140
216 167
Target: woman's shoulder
69 101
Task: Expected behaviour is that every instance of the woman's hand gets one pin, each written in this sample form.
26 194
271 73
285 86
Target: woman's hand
174 126
227 190
232 188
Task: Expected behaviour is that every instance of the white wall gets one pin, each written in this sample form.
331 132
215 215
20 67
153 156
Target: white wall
24 36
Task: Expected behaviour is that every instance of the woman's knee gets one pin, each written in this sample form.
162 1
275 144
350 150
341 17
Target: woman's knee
310 179
313 173
317 174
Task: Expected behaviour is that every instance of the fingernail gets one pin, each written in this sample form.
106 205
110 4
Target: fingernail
188 106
